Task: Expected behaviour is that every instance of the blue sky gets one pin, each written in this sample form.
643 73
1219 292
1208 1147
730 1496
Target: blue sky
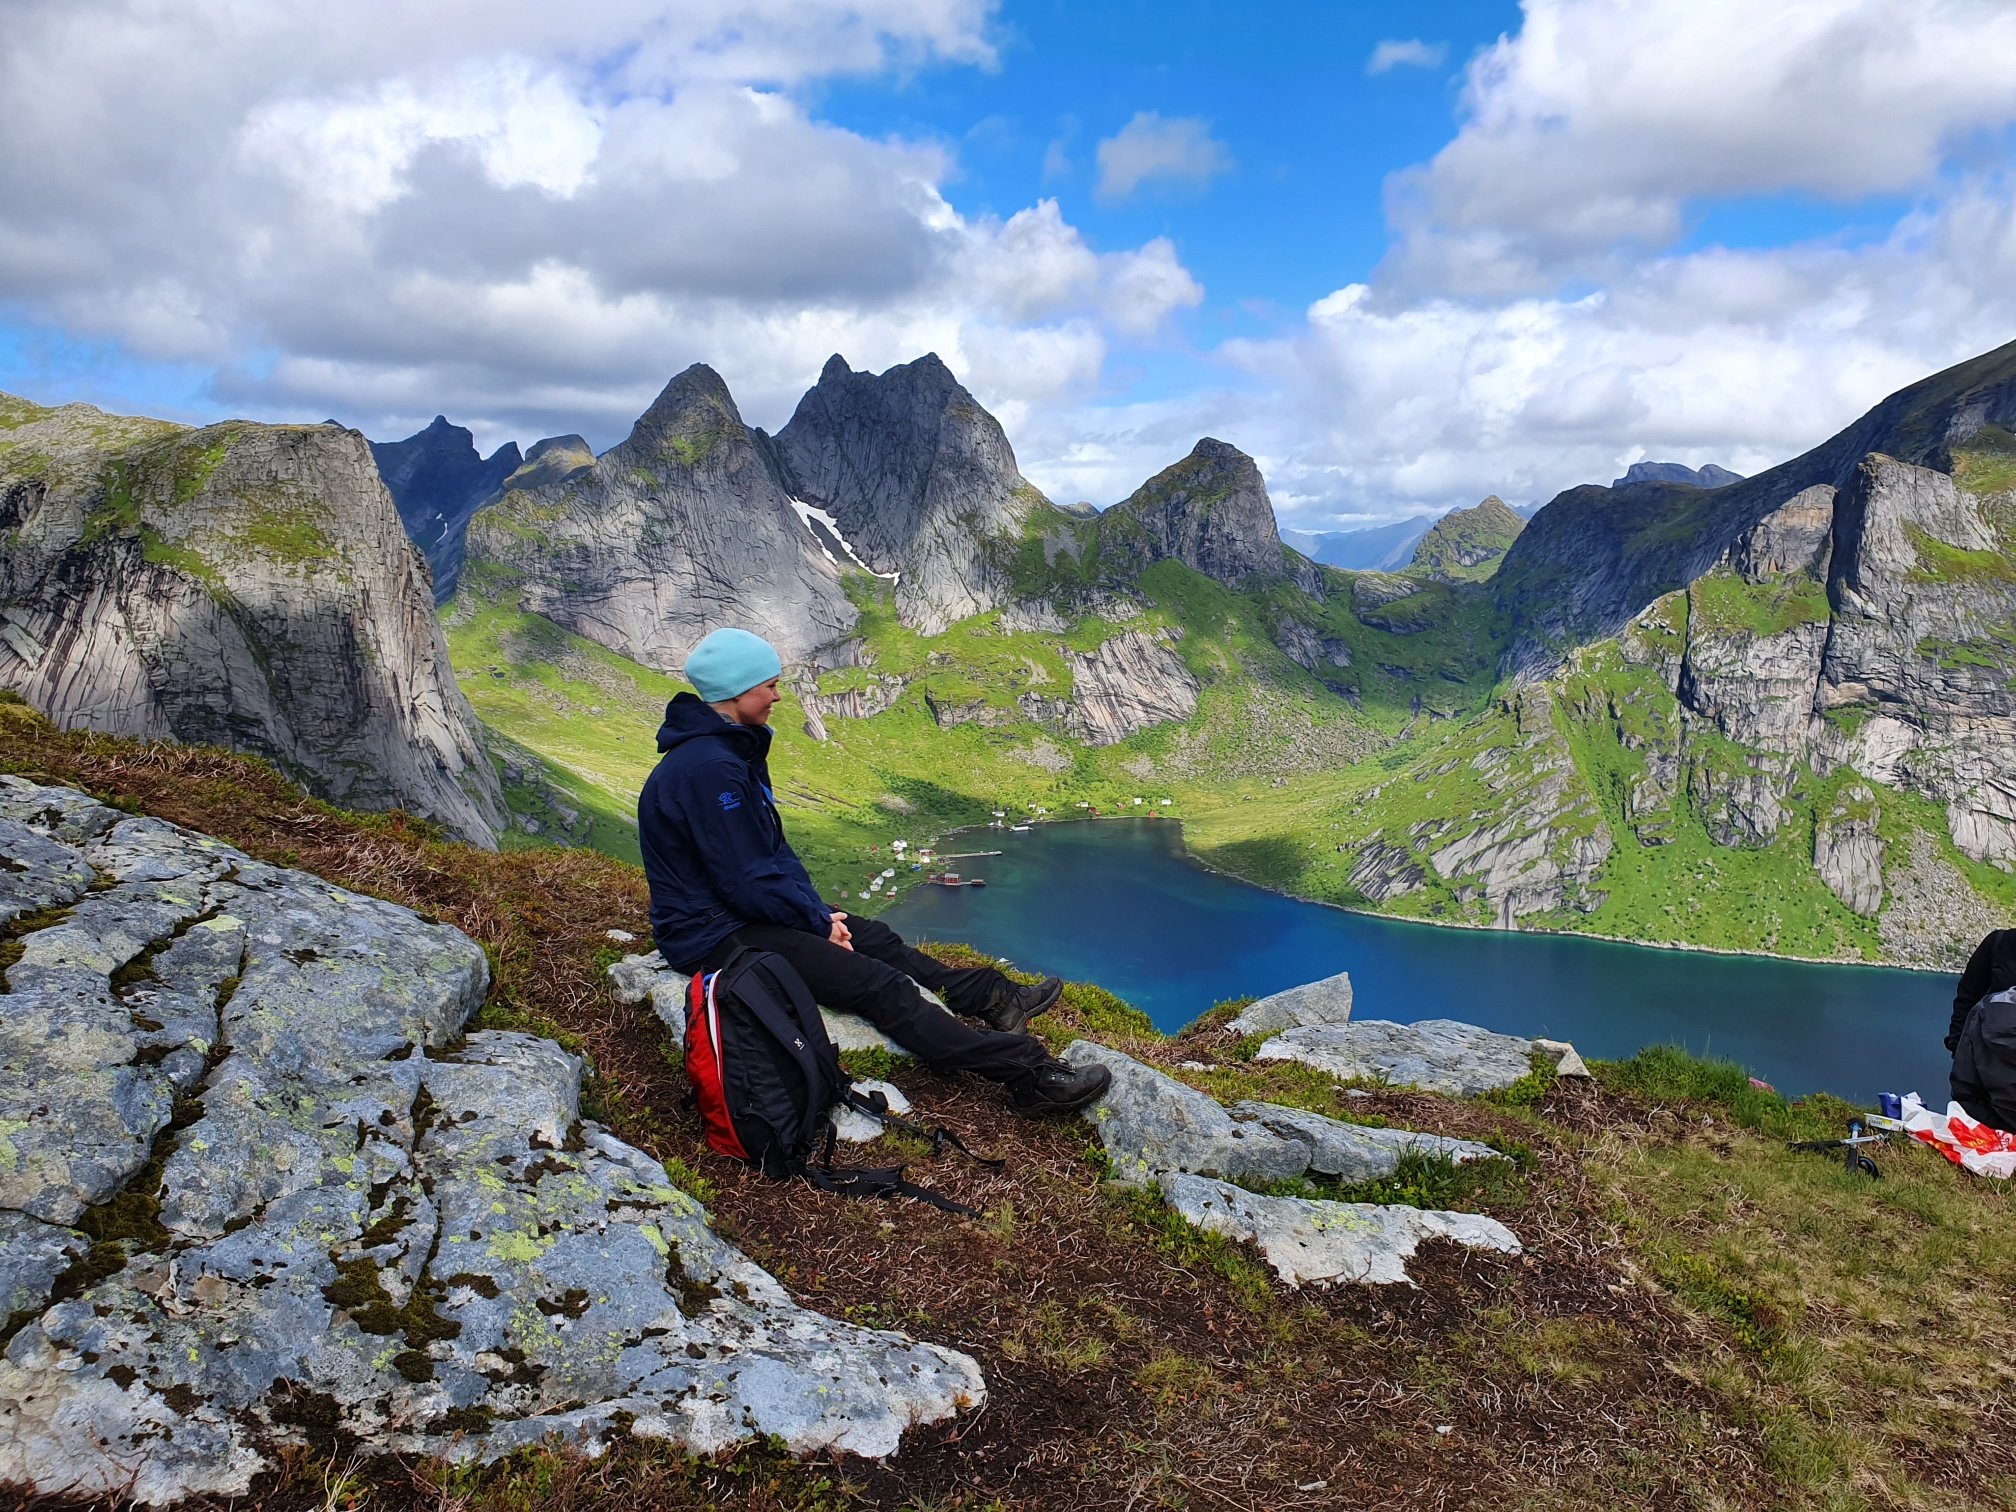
1548 240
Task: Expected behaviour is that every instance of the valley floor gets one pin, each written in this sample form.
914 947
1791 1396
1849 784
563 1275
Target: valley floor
1701 1319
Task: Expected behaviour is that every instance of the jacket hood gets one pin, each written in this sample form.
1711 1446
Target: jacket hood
688 718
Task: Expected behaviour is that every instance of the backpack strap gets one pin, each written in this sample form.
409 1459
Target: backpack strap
876 1105
876 1181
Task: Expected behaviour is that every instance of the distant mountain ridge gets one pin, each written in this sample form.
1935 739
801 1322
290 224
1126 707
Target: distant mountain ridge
1794 687
1709 476
438 480
1376 548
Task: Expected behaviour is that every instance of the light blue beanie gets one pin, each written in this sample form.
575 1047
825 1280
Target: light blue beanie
728 663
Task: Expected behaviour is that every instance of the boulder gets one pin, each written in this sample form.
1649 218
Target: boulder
1328 1242
1436 1055
1354 1152
365 1215
1324 1002
1150 1123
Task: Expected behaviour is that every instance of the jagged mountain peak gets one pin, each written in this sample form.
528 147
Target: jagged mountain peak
695 398
1209 511
920 478
1707 476
682 528
438 479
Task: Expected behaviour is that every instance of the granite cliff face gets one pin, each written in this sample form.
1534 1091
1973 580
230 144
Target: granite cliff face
438 479
920 480
1872 628
1211 513
683 527
241 585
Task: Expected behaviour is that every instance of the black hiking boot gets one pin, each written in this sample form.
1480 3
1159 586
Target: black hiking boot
1058 1088
1011 1007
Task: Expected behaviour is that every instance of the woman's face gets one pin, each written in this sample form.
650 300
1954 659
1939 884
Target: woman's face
753 707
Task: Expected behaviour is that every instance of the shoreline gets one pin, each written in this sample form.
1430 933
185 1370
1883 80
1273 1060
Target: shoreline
1194 859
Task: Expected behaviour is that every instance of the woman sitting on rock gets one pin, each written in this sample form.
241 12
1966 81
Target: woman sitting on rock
723 877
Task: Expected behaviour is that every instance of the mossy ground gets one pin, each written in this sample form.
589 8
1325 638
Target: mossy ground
1703 1318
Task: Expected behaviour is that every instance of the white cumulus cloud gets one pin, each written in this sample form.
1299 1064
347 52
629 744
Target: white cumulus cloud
1597 124
1413 53
525 216
1174 150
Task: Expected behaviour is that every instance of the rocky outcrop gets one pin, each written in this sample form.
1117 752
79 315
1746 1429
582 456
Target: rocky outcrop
241 585
437 479
1150 1123
1466 544
1848 850
1436 1055
1311 1241
646 978
1130 683
1356 1152
1159 1133
1538 848
1324 1002
356 1215
682 528
1931 917
1211 513
1924 632
920 480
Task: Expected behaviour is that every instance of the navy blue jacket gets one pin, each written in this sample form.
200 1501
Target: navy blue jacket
714 848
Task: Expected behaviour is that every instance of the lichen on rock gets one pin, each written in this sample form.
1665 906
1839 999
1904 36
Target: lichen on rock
337 1203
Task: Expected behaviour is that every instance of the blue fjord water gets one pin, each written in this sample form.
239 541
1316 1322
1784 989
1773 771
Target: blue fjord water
1120 903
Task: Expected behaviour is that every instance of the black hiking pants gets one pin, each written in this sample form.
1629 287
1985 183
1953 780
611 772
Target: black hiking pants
877 981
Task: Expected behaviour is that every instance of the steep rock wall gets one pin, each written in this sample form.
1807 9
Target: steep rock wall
241 585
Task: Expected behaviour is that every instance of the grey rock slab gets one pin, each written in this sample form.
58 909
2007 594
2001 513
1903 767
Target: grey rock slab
32 1255
1327 1243
1324 1002
1150 1123
1356 1152
60 813
859 1128
36 873
372 1217
1436 1055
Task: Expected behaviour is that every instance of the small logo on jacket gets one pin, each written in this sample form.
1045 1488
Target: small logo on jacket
729 800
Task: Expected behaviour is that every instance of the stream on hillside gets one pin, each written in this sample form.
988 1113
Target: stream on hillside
1120 903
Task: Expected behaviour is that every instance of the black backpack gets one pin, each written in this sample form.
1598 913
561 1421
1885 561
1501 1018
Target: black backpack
766 1079
1984 1062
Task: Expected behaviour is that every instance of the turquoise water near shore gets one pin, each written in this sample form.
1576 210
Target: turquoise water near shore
1121 903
